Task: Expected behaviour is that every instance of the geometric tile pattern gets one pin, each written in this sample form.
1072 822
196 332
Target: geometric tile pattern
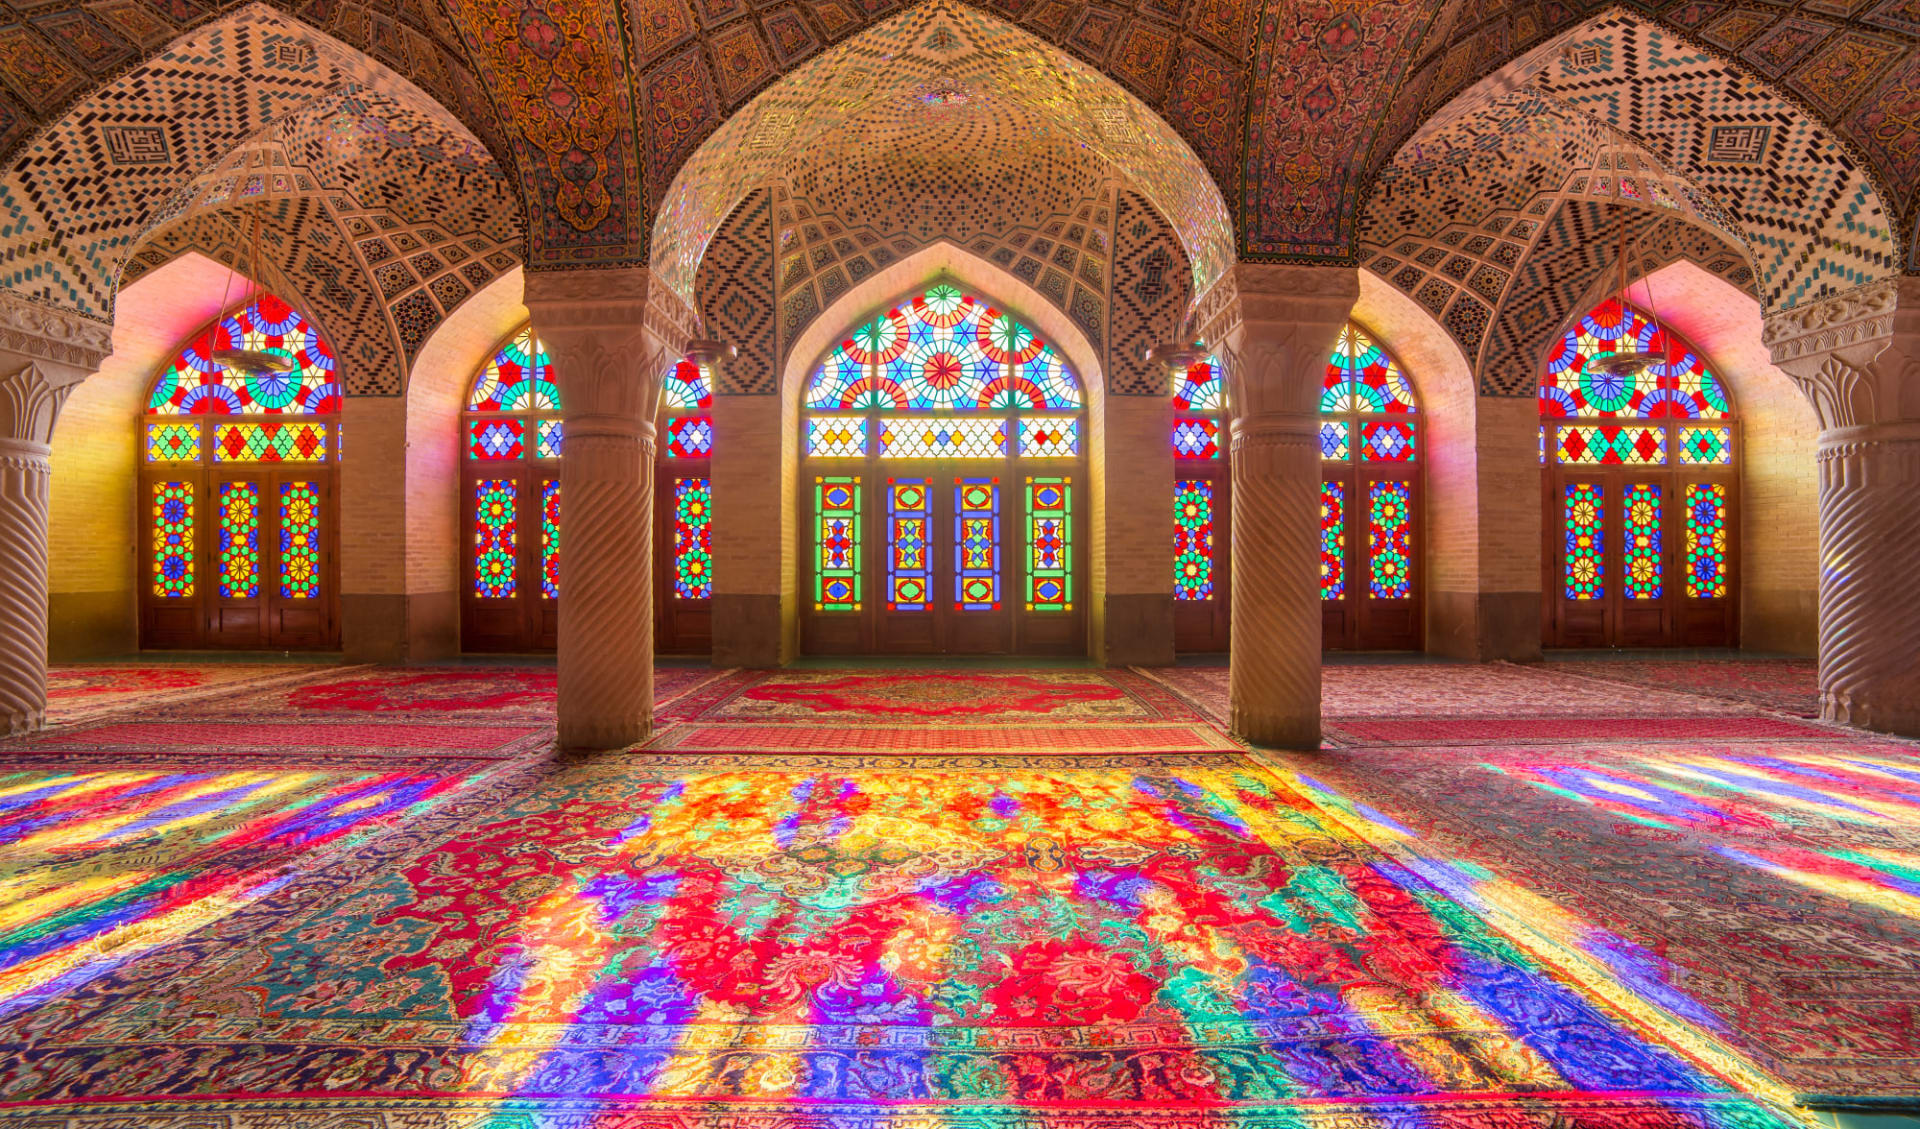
75 199
439 201
944 122
737 300
1289 109
1811 218
1577 252
1068 256
1151 288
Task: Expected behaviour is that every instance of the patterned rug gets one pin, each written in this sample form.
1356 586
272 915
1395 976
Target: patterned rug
935 712
649 940
99 868
85 691
1789 686
1768 896
453 693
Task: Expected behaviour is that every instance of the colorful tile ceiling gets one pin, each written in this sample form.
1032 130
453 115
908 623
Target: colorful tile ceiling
1790 115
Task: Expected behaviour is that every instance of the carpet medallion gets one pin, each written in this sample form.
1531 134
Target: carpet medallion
631 940
935 712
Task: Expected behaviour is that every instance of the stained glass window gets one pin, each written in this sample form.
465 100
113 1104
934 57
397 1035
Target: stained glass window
195 385
909 564
836 574
1681 388
1202 388
1389 540
173 537
692 538
1706 504
688 388
1636 446
1333 541
238 548
496 539
1582 559
689 437
836 437
1385 441
496 439
1336 439
517 379
1049 437
550 539
976 544
270 442
173 443
1193 539
1653 424
1361 377
1640 580
1370 423
547 446
943 351
1049 544
1196 437
943 437
1706 445
299 541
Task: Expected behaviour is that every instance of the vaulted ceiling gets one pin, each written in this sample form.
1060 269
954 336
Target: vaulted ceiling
1294 107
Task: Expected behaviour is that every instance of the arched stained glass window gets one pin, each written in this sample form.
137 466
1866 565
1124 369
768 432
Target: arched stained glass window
512 431
923 423
1370 499
238 480
1640 484
683 508
1200 507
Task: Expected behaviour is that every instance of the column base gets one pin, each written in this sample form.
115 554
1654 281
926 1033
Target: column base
1902 720
1271 732
578 736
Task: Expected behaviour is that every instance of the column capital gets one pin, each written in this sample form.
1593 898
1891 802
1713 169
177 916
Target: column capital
612 334
1274 327
70 344
1855 355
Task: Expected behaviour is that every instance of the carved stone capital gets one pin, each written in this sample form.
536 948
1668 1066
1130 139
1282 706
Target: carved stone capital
1851 318
628 296
31 395
1855 355
1283 327
71 341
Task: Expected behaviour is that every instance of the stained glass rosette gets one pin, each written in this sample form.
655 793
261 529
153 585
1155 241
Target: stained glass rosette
517 379
193 384
1681 388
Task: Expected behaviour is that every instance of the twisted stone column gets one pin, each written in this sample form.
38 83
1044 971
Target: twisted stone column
43 353
1856 357
24 477
611 336
1274 672
1869 615
1275 327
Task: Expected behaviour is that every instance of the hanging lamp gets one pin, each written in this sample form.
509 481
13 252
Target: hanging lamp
249 362
1623 365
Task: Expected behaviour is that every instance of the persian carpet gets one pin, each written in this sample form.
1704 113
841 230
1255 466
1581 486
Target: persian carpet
1068 712
495 693
1767 895
1786 685
1458 690
648 939
100 867
84 691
